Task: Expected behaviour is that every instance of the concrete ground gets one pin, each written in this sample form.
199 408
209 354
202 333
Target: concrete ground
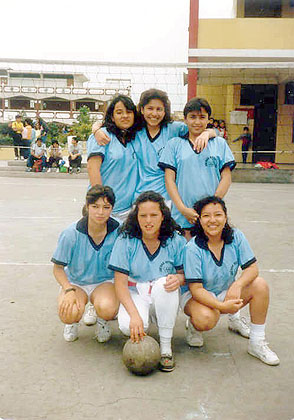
43 377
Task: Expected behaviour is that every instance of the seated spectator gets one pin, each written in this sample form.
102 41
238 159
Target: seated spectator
55 155
75 155
28 137
38 152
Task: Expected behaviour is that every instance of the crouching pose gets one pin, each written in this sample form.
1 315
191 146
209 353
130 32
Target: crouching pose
211 261
150 252
80 265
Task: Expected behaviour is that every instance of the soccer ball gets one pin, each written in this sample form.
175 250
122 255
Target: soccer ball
143 357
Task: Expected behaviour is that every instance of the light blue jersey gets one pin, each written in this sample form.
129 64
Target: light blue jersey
197 174
148 152
201 265
85 262
119 169
130 256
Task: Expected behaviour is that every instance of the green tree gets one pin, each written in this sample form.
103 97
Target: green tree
83 128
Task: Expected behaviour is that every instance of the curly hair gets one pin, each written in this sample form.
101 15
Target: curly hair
131 227
197 230
108 123
150 94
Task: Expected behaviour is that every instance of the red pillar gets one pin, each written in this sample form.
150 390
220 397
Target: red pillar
193 43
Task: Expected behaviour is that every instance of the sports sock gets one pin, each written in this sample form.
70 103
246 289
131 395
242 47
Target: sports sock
257 332
165 345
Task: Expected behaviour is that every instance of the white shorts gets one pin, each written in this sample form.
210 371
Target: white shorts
185 297
89 288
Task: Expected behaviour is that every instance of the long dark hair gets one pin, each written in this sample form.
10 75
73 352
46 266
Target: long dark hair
197 230
150 94
128 134
168 226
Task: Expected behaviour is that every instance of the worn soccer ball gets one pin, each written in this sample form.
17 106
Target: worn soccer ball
143 357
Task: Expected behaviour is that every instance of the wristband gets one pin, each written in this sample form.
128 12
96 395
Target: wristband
70 289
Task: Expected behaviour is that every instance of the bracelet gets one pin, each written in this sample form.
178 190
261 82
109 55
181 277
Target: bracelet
97 129
70 289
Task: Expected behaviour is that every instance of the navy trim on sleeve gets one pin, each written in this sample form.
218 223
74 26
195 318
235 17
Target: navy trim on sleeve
194 280
96 154
179 267
164 166
58 262
232 164
120 270
248 263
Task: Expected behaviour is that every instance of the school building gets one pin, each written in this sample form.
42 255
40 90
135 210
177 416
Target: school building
52 95
244 66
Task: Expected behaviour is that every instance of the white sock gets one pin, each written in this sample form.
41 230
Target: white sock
257 332
165 345
235 316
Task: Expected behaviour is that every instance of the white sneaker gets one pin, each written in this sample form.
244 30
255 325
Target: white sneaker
193 337
262 351
103 331
49 170
239 326
16 158
71 332
90 316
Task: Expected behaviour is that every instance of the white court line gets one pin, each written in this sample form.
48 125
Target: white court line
273 270
24 263
34 217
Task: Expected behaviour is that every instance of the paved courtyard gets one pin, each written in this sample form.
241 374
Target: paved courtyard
43 377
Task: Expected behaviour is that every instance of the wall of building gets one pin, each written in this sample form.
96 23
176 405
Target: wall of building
246 33
284 128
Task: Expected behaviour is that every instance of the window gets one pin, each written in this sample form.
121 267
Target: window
263 8
289 93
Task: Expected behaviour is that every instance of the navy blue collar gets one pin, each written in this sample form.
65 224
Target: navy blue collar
82 226
151 257
152 139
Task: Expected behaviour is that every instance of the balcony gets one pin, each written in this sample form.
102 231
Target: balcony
246 33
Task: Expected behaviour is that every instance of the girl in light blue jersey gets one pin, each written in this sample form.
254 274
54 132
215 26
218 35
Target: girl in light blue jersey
80 265
147 260
190 176
116 163
211 261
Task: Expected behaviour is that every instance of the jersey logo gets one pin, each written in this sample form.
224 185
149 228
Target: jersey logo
234 269
166 267
159 151
211 161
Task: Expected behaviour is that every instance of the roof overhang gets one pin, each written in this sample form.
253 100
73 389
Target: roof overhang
231 66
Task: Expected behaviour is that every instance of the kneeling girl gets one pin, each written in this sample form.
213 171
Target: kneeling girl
148 264
80 265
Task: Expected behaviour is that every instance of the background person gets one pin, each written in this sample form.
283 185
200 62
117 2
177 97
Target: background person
54 155
28 137
211 262
80 265
246 142
17 127
147 261
38 152
75 155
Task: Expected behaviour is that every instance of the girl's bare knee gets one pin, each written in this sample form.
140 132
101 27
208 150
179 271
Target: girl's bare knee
204 321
